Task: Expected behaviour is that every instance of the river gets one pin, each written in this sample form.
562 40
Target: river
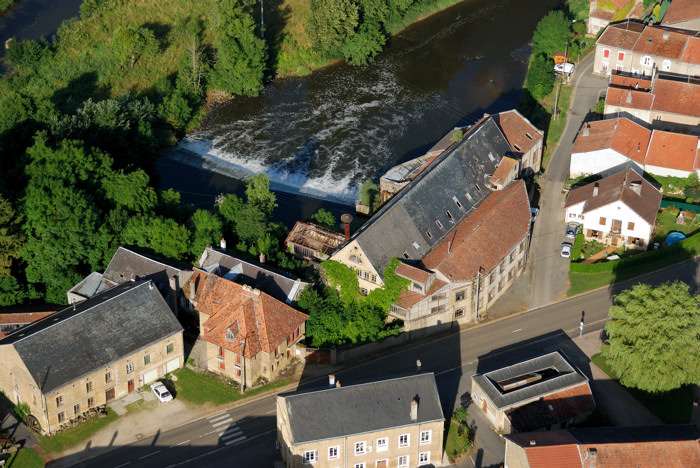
324 134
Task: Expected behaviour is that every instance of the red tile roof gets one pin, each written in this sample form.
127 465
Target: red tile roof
677 97
413 273
630 82
485 236
21 318
570 403
673 151
253 317
504 168
556 456
692 50
516 129
621 35
629 98
408 299
622 135
602 14
681 10
678 454
652 42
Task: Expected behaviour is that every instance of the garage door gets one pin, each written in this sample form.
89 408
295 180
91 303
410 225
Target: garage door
150 376
172 365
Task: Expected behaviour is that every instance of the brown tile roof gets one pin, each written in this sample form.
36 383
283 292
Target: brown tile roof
652 42
516 129
682 10
692 50
629 98
673 150
315 237
622 135
618 187
416 274
602 14
621 35
570 403
485 236
678 454
629 82
558 456
253 316
677 97
21 318
503 170
408 299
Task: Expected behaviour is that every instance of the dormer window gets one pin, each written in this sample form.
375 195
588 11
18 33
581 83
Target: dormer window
459 205
430 234
405 255
478 189
449 215
517 148
528 136
230 335
439 224
491 157
469 197
416 246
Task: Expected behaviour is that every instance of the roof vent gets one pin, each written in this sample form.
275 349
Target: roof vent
586 130
629 97
636 187
414 410
666 35
532 442
595 189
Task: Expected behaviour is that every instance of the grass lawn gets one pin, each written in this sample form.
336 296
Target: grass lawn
556 127
25 458
672 407
666 222
71 437
192 387
456 444
591 248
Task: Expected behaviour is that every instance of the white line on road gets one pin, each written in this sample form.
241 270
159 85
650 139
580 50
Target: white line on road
153 453
206 434
223 416
230 430
123 464
220 423
230 436
183 442
516 331
234 441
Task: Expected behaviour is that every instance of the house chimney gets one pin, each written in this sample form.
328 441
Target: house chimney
414 410
666 35
636 187
592 457
346 220
595 189
337 384
222 243
629 97
532 442
586 130
262 257
331 380
639 147
192 291
419 365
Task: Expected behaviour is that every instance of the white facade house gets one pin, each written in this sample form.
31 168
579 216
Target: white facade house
619 209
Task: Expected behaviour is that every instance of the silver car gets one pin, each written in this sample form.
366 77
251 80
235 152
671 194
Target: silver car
566 250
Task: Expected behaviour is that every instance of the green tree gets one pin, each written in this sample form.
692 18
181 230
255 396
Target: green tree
540 77
654 337
162 236
364 45
324 218
130 191
194 64
369 194
600 107
228 207
251 224
552 34
206 230
241 53
10 292
258 194
330 24
131 42
11 237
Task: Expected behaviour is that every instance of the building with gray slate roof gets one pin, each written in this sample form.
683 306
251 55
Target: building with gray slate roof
395 422
91 352
547 383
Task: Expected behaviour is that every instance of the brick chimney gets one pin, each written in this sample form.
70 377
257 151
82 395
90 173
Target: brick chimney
636 187
414 410
586 130
346 220
595 189
591 458
222 243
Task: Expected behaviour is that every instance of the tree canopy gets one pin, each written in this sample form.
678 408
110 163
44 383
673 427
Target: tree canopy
552 34
654 337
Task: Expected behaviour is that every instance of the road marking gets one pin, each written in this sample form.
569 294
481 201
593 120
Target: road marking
229 436
206 434
224 416
123 464
234 441
221 423
230 430
183 442
516 331
157 451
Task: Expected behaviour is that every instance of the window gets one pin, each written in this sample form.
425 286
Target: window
382 444
366 274
491 156
512 257
88 387
459 205
423 458
405 255
522 246
108 377
425 437
520 264
500 284
478 189
360 465
604 66
630 226
449 215
459 313
59 401
76 409
403 460
635 72
620 56
430 234
666 65
359 273
130 368
418 287
646 61
169 349
510 275
310 456
416 245
359 448
602 221
606 53
619 67
364 291
403 440
469 197
355 258
220 351
374 278
61 416
439 224
459 296
147 359
222 364
333 453
91 402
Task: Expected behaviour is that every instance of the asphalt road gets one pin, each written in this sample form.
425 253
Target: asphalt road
245 436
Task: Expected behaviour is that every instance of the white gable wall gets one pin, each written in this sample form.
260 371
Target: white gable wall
574 213
666 171
617 210
604 162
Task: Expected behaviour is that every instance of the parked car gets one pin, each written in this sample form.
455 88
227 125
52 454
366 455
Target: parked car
161 392
534 212
567 68
571 231
566 250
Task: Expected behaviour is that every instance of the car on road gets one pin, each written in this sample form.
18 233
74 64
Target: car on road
566 250
567 68
571 231
534 212
161 392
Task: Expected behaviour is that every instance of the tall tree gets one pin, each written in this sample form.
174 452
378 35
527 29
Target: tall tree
131 43
11 237
325 218
540 77
330 24
258 194
206 229
654 337
552 34
241 51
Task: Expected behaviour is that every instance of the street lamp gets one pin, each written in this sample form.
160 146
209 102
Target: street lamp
241 349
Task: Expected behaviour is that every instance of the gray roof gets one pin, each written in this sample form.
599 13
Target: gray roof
567 377
78 341
363 408
621 435
281 286
92 284
417 209
127 265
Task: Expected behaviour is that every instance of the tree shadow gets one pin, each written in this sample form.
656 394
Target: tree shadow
276 17
534 112
161 32
69 98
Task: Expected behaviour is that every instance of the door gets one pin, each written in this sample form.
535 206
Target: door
381 464
150 376
109 394
172 365
616 226
131 385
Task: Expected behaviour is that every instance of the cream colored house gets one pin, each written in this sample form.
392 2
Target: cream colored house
386 424
80 358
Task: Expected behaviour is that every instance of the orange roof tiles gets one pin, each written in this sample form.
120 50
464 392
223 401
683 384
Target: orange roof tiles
516 129
413 273
673 150
22 317
602 14
570 403
630 82
661 42
556 456
621 35
485 236
678 454
255 320
629 98
692 50
504 168
682 10
678 97
622 135
408 299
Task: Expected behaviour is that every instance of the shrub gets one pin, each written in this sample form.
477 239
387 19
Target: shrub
22 411
577 247
540 77
369 194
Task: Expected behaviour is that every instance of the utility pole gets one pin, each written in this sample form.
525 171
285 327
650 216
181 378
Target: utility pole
262 24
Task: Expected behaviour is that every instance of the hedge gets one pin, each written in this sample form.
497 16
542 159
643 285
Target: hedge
577 247
668 255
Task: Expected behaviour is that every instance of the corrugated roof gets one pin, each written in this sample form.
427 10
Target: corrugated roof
357 409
